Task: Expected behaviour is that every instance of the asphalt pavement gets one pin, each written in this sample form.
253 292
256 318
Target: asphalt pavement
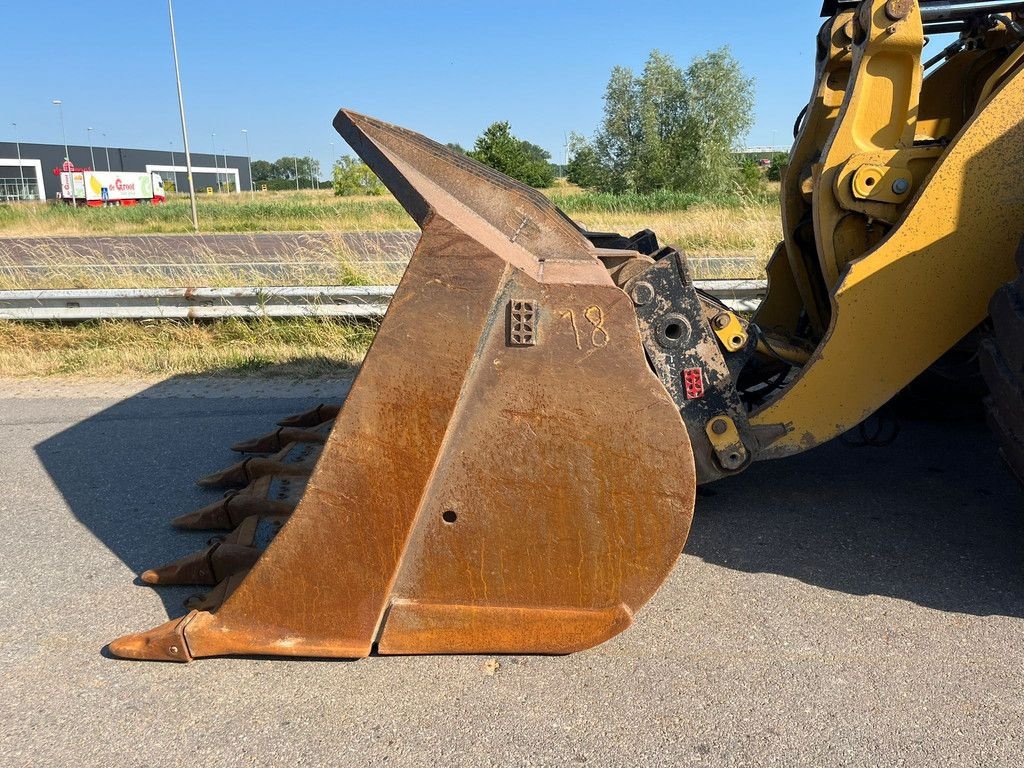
380 254
851 606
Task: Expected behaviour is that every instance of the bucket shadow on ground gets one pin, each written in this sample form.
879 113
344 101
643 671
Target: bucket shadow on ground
127 470
934 518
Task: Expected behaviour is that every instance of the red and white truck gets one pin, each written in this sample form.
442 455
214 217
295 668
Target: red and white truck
98 188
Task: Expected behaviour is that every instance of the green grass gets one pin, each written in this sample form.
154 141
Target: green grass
116 348
267 212
317 211
728 237
662 201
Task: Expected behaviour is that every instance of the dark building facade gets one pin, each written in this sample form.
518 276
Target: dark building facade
38 161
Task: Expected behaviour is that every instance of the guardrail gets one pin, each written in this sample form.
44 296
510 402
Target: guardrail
354 302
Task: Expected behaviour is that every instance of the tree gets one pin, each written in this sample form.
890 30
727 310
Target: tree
456 147
498 148
669 128
778 163
720 112
354 177
262 170
584 169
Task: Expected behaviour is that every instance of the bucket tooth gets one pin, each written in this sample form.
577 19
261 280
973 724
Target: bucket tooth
507 474
282 436
208 566
164 643
222 558
311 418
270 495
295 460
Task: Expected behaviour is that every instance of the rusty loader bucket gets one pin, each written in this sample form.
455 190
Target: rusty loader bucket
507 474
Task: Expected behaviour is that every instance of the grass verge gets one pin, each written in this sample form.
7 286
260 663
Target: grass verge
726 238
110 349
267 212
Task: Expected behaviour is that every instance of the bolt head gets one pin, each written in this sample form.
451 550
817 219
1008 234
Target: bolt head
719 426
642 293
722 322
901 186
897 10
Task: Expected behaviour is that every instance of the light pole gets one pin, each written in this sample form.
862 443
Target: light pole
60 109
216 173
17 142
296 173
174 168
67 153
92 159
248 157
106 150
184 126
312 183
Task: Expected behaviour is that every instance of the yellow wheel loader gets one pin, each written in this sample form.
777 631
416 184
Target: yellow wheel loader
515 467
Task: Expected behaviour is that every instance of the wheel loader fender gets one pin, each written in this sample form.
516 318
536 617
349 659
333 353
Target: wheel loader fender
507 473
922 289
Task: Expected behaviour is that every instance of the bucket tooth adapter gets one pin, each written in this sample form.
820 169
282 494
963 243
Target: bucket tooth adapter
268 495
311 418
283 436
507 474
223 556
295 460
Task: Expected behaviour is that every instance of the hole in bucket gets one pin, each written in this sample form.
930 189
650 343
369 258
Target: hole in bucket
673 331
449 517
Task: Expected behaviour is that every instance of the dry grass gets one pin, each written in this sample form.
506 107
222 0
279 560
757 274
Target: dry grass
268 212
331 258
119 349
725 239
722 242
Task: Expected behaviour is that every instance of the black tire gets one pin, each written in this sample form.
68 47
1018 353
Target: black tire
1002 363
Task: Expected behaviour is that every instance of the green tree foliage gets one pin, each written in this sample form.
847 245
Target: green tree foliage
498 148
456 147
354 177
670 128
779 162
262 170
277 174
750 176
584 169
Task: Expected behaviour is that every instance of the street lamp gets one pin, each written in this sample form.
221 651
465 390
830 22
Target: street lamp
174 168
184 126
216 172
92 159
296 160
106 150
67 153
17 142
60 108
248 157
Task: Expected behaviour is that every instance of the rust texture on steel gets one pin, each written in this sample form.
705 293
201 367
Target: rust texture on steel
507 473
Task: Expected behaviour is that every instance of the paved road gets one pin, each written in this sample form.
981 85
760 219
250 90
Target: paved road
382 255
847 607
259 251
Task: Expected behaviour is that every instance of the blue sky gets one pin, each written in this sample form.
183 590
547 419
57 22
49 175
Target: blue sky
446 69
